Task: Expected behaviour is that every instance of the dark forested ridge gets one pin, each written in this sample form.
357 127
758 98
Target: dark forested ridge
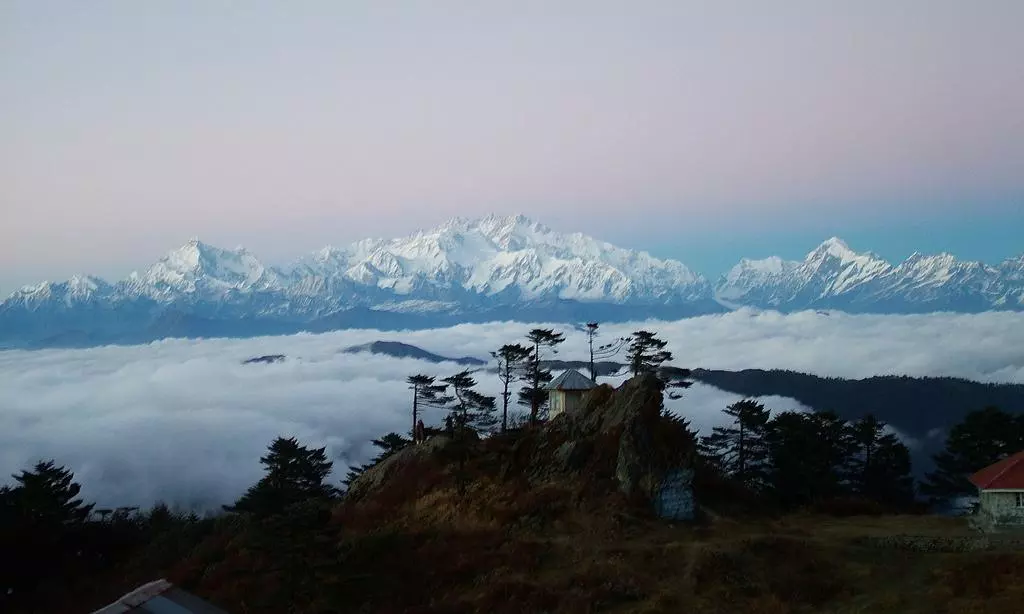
913 405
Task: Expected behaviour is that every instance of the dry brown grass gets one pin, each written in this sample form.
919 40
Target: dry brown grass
507 548
538 550
562 544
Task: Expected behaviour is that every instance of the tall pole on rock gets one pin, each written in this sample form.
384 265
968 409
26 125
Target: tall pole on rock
591 333
602 352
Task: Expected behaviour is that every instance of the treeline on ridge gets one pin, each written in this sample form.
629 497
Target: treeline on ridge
896 399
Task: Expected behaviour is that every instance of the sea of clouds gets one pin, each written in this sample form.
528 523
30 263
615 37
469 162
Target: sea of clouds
185 422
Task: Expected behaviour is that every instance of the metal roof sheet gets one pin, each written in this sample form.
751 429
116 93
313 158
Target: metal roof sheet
160 597
571 380
1007 474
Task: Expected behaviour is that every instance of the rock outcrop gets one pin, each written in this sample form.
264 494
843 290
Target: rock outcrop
620 440
650 453
379 475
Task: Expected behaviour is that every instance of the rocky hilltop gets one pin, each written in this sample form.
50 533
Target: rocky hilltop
620 444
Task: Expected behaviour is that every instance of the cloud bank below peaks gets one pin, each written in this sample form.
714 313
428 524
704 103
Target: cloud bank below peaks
185 422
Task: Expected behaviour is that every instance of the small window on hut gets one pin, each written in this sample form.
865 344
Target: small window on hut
1020 499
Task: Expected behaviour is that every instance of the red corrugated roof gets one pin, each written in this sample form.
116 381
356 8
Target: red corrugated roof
1006 474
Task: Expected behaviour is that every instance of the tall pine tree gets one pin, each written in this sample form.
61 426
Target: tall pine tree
425 393
469 410
533 394
294 473
741 450
47 495
808 455
879 466
43 534
511 362
646 353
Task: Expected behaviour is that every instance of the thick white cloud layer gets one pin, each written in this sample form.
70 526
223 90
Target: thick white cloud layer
184 421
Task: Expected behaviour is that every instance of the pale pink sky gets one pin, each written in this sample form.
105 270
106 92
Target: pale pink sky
128 127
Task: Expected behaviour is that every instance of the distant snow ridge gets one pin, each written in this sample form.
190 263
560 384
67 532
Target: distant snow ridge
491 268
834 276
200 268
464 269
78 289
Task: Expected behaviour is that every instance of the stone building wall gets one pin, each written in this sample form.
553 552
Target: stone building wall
1000 510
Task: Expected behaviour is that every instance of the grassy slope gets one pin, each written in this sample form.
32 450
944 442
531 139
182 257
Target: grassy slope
565 546
440 558
568 544
462 564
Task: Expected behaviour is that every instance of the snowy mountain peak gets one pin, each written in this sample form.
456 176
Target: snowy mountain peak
1013 264
41 289
196 257
506 232
83 281
834 247
196 267
508 223
770 265
328 254
86 285
510 256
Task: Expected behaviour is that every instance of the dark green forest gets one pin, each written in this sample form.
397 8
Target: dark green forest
916 406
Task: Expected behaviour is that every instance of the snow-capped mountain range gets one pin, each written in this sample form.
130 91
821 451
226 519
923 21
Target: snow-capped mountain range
473 270
833 276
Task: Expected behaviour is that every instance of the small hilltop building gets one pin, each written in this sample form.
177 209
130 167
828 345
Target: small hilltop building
1001 494
565 392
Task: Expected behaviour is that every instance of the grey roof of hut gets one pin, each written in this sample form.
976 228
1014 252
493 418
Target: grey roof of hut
571 380
160 597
